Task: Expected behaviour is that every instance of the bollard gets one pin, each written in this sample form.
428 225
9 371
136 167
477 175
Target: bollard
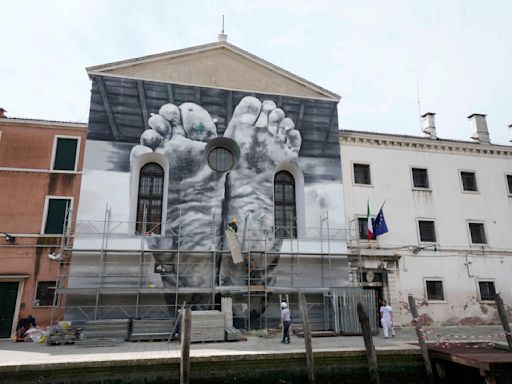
307 339
421 340
371 355
186 322
504 319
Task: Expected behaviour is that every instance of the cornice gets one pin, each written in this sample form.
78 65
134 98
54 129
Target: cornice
424 144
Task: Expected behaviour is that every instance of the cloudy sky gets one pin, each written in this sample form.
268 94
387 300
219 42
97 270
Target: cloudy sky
372 53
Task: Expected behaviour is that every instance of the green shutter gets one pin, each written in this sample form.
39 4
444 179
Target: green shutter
65 154
56 215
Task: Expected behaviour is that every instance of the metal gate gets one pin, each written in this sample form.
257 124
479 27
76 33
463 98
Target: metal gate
345 309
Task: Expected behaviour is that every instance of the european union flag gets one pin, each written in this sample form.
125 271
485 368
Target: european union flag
379 225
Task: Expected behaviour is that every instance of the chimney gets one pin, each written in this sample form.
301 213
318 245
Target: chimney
2 112
428 124
479 131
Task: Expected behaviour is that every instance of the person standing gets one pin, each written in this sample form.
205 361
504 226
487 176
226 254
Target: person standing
387 319
233 225
285 318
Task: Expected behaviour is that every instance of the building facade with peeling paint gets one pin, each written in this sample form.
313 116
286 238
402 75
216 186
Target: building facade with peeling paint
447 205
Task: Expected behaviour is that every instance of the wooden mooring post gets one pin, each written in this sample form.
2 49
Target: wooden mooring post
371 355
186 323
307 339
504 319
421 340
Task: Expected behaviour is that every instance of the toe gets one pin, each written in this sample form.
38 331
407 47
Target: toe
286 126
294 140
172 113
267 107
160 125
274 119
246 113
197 122
151 139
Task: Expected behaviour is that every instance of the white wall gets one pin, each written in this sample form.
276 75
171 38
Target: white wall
450 208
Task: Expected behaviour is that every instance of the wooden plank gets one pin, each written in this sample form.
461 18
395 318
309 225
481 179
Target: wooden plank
371 355
170 93
111 120
421 339
142 100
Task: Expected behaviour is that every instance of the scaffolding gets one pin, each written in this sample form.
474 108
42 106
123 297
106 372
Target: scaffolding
107 270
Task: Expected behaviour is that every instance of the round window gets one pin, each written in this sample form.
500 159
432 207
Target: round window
221 159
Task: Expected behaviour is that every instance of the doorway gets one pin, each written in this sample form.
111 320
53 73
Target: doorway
8 296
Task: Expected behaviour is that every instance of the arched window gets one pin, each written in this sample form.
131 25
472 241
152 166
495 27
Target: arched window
151 192
285 212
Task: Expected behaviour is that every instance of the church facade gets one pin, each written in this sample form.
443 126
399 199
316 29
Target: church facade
183 143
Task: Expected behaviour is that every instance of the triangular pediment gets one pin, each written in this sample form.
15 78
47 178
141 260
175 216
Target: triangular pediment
216 65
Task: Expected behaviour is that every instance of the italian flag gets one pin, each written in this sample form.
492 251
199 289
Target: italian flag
370 226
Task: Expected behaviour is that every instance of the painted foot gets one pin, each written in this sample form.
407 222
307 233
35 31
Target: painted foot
195 192
267 140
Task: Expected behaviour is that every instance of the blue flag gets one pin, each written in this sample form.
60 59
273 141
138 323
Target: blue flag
379 225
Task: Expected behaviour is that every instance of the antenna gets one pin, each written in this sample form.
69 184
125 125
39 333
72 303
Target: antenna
222 36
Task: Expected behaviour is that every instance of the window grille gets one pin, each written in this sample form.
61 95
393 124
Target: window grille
285 211
420 178
427 231
45 293
435 290
468 181
362 174
151 188
477 233
487 290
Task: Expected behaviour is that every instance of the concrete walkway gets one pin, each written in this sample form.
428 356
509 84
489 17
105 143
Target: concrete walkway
14 356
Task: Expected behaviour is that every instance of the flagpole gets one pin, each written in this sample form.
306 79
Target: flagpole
382 206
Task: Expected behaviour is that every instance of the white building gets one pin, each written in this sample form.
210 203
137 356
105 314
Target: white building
448 209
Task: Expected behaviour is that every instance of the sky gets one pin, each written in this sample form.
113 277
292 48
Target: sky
377 55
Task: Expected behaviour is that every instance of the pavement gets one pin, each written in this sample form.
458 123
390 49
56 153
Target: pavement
14 356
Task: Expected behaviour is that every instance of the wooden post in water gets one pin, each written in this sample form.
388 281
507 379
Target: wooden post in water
504 319
371 355
307 339
186 322
421 340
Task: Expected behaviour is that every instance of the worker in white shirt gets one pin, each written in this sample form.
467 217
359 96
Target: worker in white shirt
286 320
387 319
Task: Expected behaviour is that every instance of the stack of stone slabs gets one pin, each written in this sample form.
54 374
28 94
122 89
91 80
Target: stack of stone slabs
151 329
207 326
104 332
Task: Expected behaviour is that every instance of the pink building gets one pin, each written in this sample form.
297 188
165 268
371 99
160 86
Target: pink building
40 174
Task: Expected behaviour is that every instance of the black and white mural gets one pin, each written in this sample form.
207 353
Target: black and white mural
177 163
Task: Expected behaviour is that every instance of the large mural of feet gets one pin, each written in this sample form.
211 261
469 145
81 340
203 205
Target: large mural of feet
265 139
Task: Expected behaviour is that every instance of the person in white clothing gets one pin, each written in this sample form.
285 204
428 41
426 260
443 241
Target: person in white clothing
387 319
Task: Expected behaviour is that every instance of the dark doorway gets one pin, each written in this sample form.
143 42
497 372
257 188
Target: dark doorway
8 295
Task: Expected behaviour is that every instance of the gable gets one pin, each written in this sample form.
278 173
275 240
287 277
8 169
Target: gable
218 65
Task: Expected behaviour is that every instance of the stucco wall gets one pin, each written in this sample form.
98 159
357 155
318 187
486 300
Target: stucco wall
26 149
450 208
